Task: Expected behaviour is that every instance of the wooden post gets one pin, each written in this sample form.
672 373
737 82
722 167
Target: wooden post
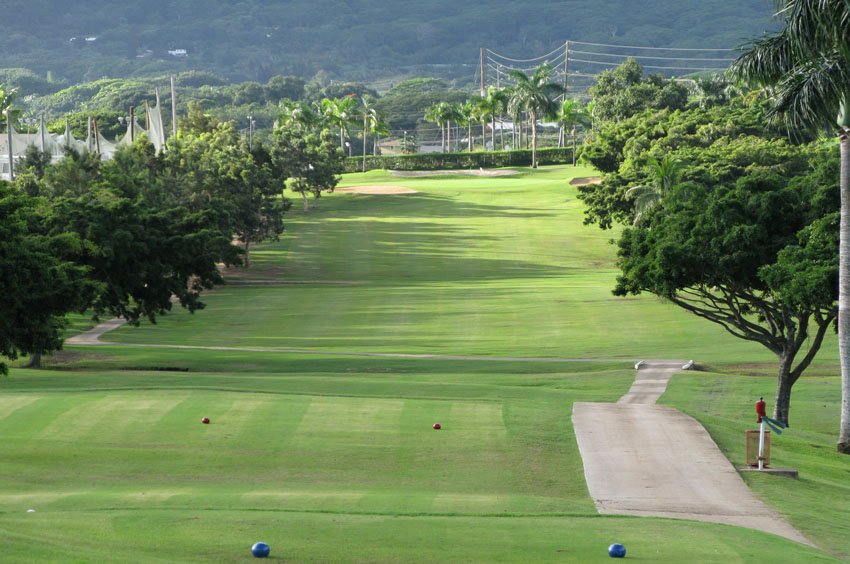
132 124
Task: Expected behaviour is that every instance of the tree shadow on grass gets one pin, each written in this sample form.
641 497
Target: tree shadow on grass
429 204
372 251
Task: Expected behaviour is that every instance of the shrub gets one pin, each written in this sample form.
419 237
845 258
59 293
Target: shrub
453 161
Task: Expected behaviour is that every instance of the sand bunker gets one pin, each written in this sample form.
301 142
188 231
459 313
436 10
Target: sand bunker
586 180
376 190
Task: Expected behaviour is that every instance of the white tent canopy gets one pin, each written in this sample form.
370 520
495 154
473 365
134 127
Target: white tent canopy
56 144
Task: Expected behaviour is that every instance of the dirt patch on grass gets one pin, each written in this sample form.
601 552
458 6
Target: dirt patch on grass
473 172
376 190
585 180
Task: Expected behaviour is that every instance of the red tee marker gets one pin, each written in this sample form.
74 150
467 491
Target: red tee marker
205 420
437 426
760 409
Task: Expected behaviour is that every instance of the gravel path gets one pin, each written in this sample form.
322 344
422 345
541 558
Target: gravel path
649 460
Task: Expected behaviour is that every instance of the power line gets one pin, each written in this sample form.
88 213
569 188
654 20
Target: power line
652 48
640 57
576 68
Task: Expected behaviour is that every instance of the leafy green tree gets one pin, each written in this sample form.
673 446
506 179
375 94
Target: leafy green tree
39 284
197 120
807 67
219 170
309 160
665 174
622 92
145 240
406 102
621 150
284 88
757 256
35 162
534 95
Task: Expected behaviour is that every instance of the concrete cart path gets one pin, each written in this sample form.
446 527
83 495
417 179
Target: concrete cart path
649 460
92 336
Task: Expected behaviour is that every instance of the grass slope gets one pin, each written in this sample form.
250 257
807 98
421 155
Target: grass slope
480 266
331 457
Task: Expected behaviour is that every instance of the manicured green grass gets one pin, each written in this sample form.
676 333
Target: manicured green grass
817 502
328 465
328 454
484 266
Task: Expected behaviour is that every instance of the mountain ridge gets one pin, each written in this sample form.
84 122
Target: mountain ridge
346 39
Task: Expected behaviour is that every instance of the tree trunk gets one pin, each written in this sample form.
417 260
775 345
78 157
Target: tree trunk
306 201
449 136
247 254
469 137
442 137
35 360
844 294
533 118
783 388
365 127
574 145
484 135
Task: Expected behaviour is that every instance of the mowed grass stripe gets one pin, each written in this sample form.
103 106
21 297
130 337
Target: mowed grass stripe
106 418
358 419
11 403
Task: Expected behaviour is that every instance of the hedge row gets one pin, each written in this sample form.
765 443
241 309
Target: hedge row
454 161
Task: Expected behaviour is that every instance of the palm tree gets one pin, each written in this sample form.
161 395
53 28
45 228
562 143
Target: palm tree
339 113
486 109
534 95
664 174
501 97
434 114
7 98
451 113
371 123
570 115
806 66
296 115
467 115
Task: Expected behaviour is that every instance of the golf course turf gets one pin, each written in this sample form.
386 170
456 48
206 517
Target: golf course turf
328 454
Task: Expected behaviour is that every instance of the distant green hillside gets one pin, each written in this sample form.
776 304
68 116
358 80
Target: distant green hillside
344 39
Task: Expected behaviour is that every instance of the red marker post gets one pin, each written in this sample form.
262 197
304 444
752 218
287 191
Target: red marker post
762 413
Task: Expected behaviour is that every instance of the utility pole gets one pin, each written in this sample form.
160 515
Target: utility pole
566 67
173 107
481 70
9 134
132 124
250 132
41 132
